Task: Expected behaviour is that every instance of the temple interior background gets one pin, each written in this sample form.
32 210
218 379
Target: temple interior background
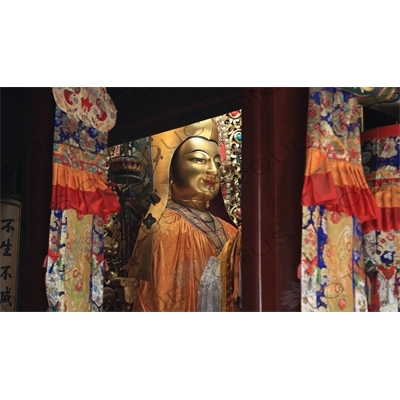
272 124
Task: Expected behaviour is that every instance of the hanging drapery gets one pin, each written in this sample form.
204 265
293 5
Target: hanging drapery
381 239
81 201
335 200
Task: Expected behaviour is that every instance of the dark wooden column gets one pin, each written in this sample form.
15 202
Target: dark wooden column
274 128
37 150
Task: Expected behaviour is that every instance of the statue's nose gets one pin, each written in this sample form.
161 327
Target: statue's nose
212 168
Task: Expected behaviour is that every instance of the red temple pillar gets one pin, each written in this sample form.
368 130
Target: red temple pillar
274 132
37 152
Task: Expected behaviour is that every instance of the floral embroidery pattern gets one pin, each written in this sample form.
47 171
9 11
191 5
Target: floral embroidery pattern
93 106
333 124
81 201
332 268
381 239
75 266
335 199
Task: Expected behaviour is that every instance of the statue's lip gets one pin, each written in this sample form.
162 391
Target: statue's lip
209 183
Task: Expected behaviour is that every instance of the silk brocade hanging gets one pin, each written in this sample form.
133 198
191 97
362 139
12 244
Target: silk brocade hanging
336 199
81 201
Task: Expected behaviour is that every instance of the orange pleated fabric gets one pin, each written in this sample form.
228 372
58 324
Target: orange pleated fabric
338 184
83 191
181 253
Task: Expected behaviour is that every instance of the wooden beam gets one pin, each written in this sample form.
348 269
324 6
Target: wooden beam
146 111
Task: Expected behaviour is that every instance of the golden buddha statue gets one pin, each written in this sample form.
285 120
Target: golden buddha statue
179 236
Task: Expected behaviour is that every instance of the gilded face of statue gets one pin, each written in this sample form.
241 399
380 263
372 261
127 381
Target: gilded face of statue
195 170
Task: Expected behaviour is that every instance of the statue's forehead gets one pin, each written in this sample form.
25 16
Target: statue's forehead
210 147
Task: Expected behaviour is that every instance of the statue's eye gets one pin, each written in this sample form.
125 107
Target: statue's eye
218 164
199 160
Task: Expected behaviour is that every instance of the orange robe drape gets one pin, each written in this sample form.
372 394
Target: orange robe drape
181 253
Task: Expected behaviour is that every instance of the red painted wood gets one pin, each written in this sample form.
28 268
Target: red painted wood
38 151
274 127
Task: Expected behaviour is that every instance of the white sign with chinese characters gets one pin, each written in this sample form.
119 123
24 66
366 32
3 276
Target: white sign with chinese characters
10 216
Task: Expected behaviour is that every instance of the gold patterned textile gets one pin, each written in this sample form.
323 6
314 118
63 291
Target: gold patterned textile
332 265
336 199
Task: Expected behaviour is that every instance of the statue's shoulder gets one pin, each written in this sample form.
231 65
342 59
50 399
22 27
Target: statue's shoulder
230 230
169 222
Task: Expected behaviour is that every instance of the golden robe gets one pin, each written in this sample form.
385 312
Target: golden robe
181 253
